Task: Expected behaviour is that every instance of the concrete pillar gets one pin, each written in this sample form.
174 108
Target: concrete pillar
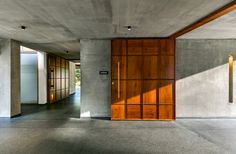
9 78
72 77
42 77
95 56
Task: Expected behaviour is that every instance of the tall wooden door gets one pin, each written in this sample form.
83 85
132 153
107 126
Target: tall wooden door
58 78
143 79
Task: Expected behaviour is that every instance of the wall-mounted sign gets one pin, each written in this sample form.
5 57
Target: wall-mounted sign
103 72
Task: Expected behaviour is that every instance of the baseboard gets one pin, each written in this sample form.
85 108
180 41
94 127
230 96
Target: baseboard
95 118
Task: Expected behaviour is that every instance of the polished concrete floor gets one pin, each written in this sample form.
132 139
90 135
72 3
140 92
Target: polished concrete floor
57 129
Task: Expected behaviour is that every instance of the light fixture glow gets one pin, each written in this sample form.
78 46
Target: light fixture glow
231 63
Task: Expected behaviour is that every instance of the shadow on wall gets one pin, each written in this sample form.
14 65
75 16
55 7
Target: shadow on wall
203 78
195 56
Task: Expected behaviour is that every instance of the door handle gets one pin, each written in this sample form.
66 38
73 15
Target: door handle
118 86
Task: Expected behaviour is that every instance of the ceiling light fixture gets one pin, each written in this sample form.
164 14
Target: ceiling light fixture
23 27
129 28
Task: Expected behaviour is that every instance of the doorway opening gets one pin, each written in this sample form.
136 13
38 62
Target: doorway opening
29 80
77 79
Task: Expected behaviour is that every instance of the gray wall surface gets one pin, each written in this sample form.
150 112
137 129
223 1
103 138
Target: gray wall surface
9 78
95 88
202 78
72 77
42 77
29 79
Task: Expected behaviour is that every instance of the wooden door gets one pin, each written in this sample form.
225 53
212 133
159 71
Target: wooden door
58 78
143 79
51 79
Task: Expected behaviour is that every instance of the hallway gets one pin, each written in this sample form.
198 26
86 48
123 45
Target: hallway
58 129
62 110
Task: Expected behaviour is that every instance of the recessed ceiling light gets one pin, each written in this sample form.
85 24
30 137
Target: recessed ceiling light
129 27
23 27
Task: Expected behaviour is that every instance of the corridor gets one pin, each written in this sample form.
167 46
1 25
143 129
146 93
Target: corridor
62 110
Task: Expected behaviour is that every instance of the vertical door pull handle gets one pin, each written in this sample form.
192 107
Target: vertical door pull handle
118 86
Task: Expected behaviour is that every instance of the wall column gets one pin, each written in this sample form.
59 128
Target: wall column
95 56
9 78
42 77
72 77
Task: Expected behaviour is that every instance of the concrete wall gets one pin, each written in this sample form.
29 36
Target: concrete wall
29 72
42 77
202 78
9 78
95 88
72 77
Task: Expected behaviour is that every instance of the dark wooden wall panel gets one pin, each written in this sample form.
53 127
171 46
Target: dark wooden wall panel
134 47
149 91
133 112
151 47
134 67
151 67
150 112
133 91
122 93
118 112
143 79
58 78
119 61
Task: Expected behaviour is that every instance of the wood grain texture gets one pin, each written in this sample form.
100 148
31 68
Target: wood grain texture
149 112
58 61
166 112
52 61
118 47
63 63
150 47
118 112
166 92
133 91
167 67
114 92
133 112
151 67
134 67
150 91
114 65
147 84
58 78
134 47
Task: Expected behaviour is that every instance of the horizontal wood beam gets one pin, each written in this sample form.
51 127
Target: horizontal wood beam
216 14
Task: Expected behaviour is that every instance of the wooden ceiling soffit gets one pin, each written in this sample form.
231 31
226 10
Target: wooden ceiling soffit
214 15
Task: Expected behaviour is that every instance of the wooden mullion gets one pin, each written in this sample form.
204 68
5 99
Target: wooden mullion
141 82
126 72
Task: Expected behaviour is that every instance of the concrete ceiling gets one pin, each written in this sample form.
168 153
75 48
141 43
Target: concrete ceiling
223 27
57 25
